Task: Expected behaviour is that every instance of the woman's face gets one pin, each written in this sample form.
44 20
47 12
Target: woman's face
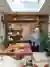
36 30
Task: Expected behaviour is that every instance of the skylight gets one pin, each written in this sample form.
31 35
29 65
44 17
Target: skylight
25 5
34 1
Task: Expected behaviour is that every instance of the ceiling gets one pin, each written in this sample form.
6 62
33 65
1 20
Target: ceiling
4 7
46 7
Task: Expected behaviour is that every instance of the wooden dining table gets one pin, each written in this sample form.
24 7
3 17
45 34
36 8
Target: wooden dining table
17 53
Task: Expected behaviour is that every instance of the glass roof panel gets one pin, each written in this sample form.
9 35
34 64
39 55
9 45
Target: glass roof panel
25 5
35 1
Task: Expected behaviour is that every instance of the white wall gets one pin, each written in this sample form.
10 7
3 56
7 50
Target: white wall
4 7
49 25
2 32
2 27
26 30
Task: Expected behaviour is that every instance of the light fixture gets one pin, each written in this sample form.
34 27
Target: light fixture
14 19
25 5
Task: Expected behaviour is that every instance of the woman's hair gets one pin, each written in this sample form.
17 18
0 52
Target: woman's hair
34 42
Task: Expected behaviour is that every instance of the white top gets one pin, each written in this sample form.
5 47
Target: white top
35 36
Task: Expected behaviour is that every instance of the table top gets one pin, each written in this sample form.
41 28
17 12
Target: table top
25 51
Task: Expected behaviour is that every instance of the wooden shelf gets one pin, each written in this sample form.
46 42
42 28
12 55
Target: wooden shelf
20 41
17 37
15 31
20 21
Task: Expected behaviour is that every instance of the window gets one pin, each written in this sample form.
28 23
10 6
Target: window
25 5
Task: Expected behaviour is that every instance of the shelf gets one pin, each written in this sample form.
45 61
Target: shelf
24 17
27 21
17 37
15 31
20 41
43 20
